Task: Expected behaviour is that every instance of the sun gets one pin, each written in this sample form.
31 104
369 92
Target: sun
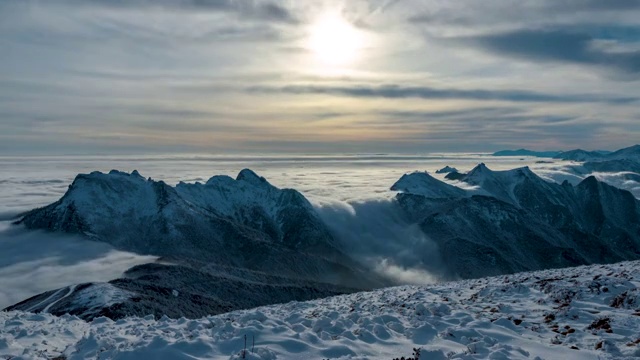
334 41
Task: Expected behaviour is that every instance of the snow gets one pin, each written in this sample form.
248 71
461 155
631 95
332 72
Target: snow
69 291
500 184
97 296
589 312
227 196
421 183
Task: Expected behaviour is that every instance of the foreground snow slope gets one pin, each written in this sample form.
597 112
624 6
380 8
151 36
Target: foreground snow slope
589 312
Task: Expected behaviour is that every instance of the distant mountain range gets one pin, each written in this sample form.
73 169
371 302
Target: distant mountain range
525 152
629 153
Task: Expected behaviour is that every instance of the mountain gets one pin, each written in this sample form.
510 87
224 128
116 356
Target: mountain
587 312
525 152
625 162
246 223
516 221
231 244
446 170
175 291
579 155
424 184
629 153
454 175
244 242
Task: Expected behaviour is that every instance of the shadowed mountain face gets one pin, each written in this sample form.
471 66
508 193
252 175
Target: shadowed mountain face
516 221
245 223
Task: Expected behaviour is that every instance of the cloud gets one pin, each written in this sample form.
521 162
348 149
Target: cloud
218 75
484 115
425 92
252 9
376 233
495 14
33 262
591 5
557 46
401 275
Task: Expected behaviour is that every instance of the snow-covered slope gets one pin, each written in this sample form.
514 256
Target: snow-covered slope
589 312
422 183
175 291
502 184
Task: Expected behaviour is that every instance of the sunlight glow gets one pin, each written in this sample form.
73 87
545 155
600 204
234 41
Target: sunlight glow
334 40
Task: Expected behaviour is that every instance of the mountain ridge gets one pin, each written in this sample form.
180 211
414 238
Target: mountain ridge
514 221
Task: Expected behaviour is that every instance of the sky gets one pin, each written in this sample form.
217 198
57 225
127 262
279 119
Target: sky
357 76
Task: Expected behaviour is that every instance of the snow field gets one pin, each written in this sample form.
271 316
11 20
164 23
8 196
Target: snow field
589 312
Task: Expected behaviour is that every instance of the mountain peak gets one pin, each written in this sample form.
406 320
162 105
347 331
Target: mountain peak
250 177
114 172
480 169
525 170
421 183
446 170
590 181
136 173
500 184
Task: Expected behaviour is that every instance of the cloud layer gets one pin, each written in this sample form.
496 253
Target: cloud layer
35 262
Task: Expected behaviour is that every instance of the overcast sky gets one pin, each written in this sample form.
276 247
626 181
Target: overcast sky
230 76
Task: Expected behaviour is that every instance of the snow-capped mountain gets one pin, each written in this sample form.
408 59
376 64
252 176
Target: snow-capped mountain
516 221
224 245
246 223
589 312
422 183
505 185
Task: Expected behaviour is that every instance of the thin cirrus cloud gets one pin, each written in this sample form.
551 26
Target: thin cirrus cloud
256 10
425 92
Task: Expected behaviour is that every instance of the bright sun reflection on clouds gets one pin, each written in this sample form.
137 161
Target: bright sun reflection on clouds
334 41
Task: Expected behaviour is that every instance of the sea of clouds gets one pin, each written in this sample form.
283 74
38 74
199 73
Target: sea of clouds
351 194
